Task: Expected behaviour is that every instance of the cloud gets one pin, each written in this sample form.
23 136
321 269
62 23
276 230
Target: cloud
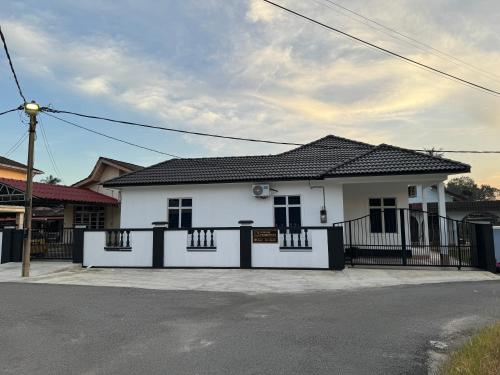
260 11
254 71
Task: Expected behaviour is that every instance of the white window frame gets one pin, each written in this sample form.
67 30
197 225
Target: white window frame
413 188
286 206
382 207
180 208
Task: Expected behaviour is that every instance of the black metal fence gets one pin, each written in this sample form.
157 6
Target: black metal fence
410 238
50 244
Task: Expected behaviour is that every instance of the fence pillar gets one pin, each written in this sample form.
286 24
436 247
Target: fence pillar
485 247
6 245
245 243
159 243
78 238
336 254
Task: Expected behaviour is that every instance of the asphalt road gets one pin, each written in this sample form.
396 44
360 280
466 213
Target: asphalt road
56 329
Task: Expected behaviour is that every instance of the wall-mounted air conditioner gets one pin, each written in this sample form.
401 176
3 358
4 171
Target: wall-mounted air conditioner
261 191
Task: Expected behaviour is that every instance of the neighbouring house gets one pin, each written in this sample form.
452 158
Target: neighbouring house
11 214
326 181
55 207
104 170
457 206
13 169
62 200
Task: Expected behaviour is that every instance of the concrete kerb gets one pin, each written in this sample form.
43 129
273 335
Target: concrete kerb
237 280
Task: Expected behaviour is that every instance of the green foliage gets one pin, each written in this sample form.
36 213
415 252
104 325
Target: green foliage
51 180
468 188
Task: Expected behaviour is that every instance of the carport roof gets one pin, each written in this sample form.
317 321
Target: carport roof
60 193
327 157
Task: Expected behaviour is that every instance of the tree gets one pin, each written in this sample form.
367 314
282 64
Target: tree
51 180
467 187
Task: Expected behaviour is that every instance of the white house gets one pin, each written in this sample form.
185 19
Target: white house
326 181
302 192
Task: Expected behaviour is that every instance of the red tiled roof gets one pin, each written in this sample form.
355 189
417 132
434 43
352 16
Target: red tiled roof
61 192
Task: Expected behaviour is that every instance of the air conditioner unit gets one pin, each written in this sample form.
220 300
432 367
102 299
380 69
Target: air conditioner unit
261 191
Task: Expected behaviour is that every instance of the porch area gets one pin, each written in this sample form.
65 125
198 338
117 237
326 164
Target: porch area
381 227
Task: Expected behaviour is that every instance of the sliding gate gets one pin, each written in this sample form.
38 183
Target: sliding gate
405 237
52 244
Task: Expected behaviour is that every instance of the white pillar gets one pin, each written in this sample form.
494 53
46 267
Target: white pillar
443 228
426 217
19 220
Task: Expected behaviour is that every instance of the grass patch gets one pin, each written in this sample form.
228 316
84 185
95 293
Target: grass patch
479 356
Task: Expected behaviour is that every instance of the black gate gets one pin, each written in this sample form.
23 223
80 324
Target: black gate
405 237
50 244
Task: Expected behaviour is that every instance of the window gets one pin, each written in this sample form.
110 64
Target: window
180 213
383 215
90 216
412 191
287 211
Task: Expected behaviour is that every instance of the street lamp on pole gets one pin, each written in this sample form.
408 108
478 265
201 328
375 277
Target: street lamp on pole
31 109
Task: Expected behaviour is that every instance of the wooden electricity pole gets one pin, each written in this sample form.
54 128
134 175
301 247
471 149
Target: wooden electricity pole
31 110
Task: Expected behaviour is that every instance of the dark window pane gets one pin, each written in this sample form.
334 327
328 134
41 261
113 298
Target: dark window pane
294 199
186 218
279 200
280 217
173 203
375 220
390 220
375 202
173 218
188 202
389 202
294 219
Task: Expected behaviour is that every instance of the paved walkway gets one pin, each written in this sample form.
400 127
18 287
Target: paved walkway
237 280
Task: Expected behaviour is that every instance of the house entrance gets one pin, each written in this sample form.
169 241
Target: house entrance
406 237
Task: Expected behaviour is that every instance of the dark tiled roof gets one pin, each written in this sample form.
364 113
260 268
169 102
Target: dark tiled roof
60 193
387 159
330 156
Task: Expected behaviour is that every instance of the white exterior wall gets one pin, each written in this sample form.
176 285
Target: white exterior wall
95 255
227 253
356 205
270 255
225 204
356 197
1 238
432 195
107 174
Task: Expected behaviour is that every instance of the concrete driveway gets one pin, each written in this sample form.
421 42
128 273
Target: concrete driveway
237 280
66 329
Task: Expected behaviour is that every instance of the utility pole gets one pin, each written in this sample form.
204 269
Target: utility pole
31 110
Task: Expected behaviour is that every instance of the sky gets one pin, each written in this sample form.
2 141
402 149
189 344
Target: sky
244 68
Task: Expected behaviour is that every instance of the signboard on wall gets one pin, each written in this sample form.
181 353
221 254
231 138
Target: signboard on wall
265 236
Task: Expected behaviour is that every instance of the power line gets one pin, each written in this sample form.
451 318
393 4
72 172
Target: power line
111 137
170 129
49 151
385 50
11 65
429 48
48 111
11 110
16 145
